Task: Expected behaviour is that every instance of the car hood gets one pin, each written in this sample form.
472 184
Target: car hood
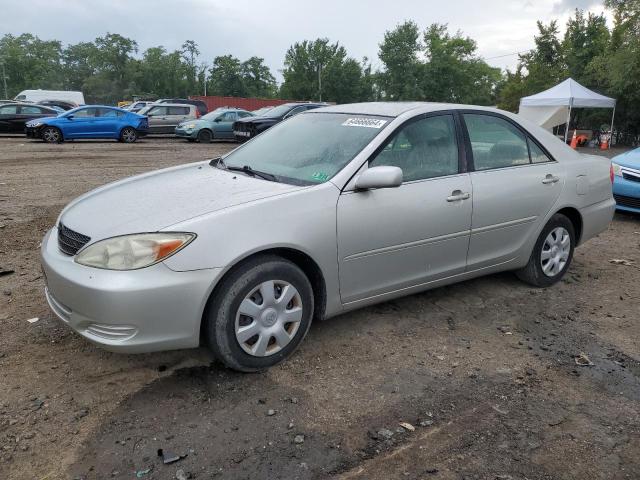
629 159
158 200
199 123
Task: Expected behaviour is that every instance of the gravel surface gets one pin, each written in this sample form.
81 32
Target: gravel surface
474 381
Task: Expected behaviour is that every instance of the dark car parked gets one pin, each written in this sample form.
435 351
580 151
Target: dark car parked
249 127
14 116
200 105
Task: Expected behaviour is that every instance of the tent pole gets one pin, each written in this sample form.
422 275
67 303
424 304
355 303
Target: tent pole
613 115
566 130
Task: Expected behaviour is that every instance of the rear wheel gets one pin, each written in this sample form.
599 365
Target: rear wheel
205 136
259 314
128 135
51 135
551 254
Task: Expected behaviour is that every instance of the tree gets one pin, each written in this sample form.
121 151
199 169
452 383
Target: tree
399 53
310 69
257 78
226 77
31 63
468 78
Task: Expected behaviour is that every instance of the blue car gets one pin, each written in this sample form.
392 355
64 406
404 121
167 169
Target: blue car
626 181
89 121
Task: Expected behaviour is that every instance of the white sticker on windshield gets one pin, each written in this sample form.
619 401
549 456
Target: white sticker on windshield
364 122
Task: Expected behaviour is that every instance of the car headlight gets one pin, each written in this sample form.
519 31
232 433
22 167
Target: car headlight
617 169
130 252
190 126
34 124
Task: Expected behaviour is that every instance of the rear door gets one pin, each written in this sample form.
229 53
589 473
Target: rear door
515 184
29 112
177 115
8 118
107 122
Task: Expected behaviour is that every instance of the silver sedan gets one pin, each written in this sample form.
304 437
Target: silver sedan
332 210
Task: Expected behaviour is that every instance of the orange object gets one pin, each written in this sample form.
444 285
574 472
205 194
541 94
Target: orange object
604 144
574 140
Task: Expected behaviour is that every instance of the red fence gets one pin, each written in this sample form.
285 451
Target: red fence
239 102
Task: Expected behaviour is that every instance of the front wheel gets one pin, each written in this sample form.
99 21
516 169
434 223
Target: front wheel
259 315
128 135
551 254
204 136
52 135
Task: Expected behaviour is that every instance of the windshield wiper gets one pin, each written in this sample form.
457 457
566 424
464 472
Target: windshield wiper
254 173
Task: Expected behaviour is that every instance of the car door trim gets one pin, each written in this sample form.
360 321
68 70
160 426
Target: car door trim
498 226
405 246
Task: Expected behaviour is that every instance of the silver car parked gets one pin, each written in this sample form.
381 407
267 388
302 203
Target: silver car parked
332 210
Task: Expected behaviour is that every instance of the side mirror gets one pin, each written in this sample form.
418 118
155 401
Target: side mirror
70 117
379 177
218 119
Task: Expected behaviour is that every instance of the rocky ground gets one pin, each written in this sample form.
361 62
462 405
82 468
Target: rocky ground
478 380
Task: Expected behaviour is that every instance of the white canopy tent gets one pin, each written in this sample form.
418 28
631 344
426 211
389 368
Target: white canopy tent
553 107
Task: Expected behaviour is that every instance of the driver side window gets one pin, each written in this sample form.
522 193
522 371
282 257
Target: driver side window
425 148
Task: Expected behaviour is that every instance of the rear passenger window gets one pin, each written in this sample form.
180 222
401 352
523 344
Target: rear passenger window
495 142
537 155
30 109
9 110
179 110
425 148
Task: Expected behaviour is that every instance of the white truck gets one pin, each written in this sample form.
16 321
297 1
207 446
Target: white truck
41 95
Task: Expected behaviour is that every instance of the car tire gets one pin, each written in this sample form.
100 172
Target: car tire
128 135
552 253
51 135
205 136
248 301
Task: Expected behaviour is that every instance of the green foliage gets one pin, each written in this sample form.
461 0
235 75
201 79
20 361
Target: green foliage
321 70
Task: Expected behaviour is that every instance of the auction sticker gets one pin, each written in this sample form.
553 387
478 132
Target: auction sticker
364 122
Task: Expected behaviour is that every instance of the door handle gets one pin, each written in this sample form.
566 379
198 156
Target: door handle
458 195
550 179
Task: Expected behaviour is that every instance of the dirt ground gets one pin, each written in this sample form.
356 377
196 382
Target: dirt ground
483 371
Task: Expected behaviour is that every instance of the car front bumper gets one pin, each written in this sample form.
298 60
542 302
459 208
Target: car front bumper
144 310
186 133
33 132
627 194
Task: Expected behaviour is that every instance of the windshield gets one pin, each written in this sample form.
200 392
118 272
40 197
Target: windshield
309 148
212 115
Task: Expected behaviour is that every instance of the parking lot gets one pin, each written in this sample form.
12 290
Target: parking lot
483 372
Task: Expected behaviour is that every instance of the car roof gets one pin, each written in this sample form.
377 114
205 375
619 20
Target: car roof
395 109
171 105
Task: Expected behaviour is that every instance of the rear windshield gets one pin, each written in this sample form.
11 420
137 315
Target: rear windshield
309 148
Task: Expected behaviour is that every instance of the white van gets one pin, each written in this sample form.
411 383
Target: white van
40 95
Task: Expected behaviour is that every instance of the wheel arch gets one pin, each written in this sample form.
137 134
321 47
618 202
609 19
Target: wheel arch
299 258
207 129
573 214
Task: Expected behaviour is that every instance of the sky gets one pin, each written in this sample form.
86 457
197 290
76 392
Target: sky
267 28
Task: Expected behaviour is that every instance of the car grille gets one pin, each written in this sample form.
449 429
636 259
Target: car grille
69 242
631 176
624 201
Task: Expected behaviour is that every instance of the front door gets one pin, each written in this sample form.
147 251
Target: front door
224 125
158 119
81 123
396 238
515 184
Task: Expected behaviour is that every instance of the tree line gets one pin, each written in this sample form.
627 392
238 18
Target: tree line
430 64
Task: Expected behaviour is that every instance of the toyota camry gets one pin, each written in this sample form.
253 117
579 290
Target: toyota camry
331 210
